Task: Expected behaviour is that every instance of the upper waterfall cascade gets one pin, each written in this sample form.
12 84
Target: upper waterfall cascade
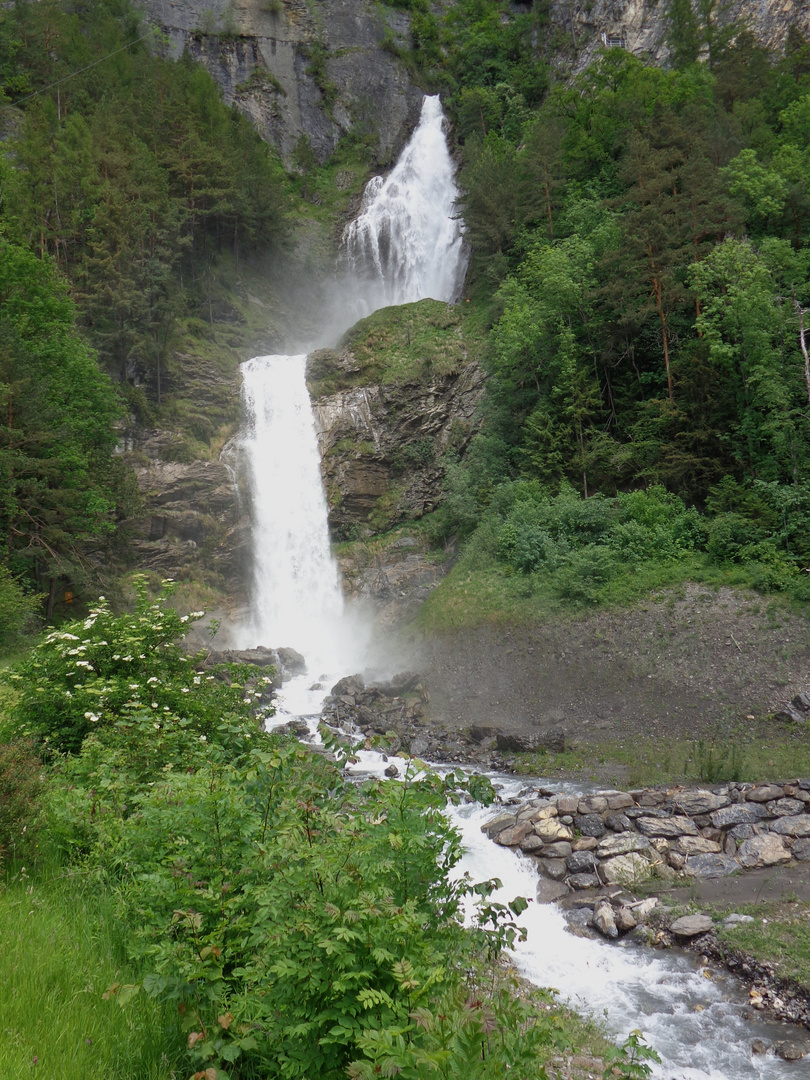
406 245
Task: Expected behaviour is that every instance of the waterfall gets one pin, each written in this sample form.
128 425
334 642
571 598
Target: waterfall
296 591
405 245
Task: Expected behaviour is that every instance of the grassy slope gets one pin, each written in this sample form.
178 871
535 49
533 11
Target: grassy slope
62 949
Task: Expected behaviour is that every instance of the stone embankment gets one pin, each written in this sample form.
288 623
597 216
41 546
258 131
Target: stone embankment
626 838
592 851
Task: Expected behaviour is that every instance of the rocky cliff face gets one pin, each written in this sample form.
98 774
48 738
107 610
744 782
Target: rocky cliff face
640 25
301 68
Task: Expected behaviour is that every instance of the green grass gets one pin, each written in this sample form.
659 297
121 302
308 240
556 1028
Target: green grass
780 935
751 756
61 949
474 594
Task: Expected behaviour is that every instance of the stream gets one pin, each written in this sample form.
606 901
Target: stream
406 245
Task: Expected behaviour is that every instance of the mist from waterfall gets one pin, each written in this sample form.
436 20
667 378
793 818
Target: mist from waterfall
405 245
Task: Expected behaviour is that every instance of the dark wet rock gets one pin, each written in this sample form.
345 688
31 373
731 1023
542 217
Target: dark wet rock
590 825
392 771
579 862
549 890
617 822
788 1051
553 868
801 850
293 661
349 686
584 881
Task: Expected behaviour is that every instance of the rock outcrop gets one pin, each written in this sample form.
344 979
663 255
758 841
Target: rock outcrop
299 70
192 524
640 27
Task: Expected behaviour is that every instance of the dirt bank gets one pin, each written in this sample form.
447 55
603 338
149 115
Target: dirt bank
691 664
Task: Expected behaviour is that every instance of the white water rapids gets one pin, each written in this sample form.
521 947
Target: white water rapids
404 246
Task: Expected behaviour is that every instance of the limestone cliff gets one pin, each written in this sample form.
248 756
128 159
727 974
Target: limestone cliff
301 68
640 25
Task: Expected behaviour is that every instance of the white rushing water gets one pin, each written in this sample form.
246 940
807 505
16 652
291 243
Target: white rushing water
406 245
297 600
406 242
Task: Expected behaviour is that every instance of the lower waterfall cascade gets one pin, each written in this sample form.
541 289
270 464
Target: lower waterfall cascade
406 245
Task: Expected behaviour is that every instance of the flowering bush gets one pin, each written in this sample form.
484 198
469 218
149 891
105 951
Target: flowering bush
106 668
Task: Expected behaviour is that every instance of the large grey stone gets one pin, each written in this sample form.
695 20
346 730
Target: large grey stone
669 828
710 866
741 814
513 835
764 793
590 825
626 869
548 890
801 850
785 807
691 925
580 862
621 844
553 868
700 802
561 849
532 844
595 804
498 824
765 850
698 845
795 825
583 881
604 919
617 822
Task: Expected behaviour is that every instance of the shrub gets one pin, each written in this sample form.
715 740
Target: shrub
18 610
21 785
93 672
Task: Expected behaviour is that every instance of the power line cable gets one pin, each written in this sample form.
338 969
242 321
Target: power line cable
73 74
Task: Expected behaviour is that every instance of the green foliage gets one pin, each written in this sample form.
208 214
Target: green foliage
21 784
59 483
630 1061
18 610
298 921
122 671
134 177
